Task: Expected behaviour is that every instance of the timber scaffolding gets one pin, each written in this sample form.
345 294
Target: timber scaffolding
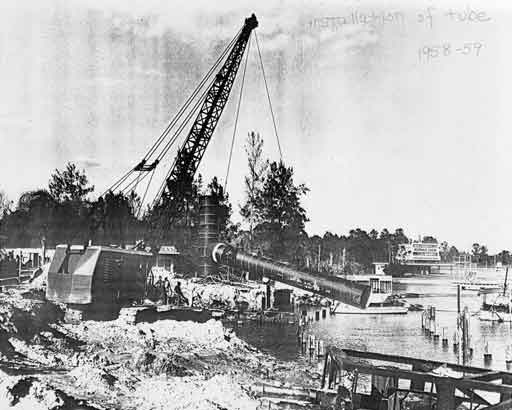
439 385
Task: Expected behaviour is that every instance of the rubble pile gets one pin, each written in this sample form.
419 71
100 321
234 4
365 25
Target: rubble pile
113 364
165 334
29 393
212 293
218 392
227 296
24 315
93 379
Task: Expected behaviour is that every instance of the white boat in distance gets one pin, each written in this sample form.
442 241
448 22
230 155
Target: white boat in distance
470 282
380 297
497 307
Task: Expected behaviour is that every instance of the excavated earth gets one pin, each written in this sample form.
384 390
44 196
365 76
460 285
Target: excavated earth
48 364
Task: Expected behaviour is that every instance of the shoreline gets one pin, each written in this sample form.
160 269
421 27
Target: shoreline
112 364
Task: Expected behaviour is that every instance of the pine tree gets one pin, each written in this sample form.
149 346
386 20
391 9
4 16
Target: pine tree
254 180
280 214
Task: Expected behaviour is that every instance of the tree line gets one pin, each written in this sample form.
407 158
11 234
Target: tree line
273 220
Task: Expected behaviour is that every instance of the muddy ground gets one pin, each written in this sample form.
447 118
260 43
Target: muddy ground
47 364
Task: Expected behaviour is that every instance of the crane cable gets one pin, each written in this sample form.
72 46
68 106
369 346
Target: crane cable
134 183
184 123
189 115
268 96
237 113
174 138
175 119
145 193
118 182
192 96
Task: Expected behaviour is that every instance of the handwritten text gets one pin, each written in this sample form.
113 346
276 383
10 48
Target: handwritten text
429 53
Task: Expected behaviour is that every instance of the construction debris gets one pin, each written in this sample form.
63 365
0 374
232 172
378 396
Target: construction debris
48 364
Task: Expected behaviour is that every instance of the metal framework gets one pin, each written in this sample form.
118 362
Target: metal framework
455 385
189 156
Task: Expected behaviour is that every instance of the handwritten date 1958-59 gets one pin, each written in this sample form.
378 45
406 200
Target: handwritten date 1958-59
432 52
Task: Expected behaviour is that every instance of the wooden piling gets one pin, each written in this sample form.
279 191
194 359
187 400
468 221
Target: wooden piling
427 321
458 300
487 355
436 333
456 341
508 357
465 335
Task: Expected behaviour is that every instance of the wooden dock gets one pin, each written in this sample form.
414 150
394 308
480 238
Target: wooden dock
444 386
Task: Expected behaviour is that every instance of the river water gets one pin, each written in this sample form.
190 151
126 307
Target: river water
396 334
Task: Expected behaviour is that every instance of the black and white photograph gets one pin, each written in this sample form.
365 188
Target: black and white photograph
261 205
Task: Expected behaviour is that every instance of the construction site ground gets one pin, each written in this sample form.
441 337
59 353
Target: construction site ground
167 364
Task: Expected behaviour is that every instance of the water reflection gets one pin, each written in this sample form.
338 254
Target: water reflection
395 334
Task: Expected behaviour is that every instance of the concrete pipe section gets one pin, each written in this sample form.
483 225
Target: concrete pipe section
332 287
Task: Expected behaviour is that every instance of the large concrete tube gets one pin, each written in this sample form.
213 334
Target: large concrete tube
332 287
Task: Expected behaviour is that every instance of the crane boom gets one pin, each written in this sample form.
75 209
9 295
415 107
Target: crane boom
189 156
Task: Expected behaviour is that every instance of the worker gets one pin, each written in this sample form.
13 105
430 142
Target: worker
167 291
180 295
149 285
159 287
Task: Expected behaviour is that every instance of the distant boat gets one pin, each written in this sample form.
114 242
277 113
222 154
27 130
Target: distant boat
381 301
470 283
497 307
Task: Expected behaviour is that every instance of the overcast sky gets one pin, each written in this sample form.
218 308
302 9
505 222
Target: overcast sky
383 132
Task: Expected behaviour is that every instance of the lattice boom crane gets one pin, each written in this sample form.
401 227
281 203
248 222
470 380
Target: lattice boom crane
181 175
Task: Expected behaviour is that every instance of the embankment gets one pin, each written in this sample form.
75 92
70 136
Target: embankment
47 364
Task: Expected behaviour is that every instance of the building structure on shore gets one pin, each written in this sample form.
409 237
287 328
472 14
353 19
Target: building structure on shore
416 257
418 253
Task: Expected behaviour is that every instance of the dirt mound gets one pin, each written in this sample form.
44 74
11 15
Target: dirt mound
222 295
92 379
24 315
167 364
27 392
219 392
37 353
161 335
157 363
27 313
